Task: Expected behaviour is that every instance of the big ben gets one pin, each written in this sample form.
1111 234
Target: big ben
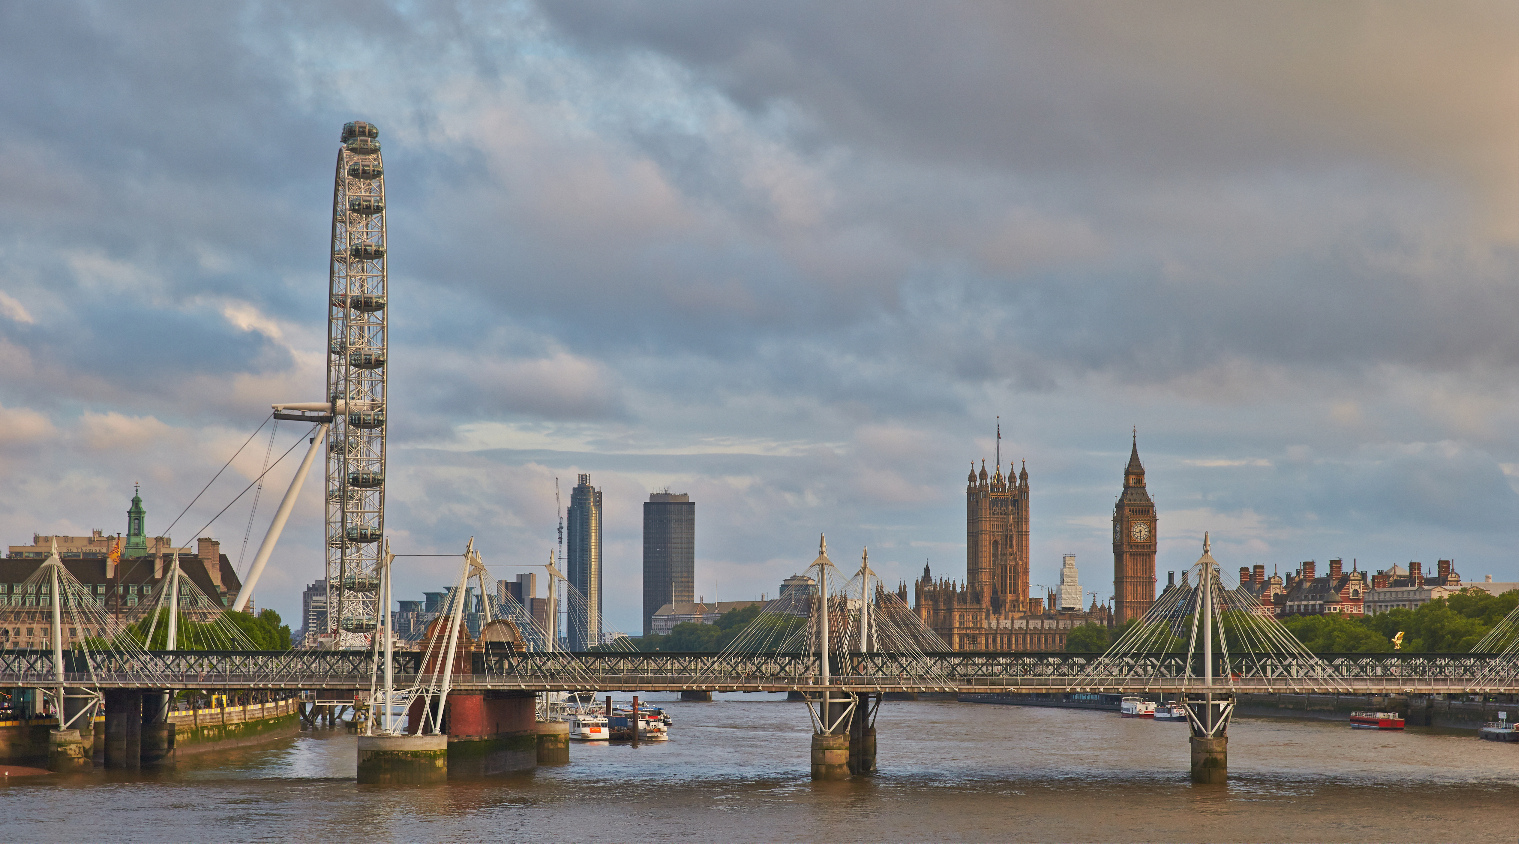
1133 544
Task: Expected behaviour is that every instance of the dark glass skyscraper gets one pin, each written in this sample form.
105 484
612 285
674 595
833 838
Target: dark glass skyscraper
669 553
583 564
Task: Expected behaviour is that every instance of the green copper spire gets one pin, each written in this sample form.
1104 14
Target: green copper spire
137 538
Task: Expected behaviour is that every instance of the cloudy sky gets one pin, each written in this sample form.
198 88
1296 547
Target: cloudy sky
791 258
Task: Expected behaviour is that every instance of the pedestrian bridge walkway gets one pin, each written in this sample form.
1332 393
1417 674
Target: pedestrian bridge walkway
956 672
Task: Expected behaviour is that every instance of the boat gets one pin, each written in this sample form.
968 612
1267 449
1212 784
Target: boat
1133 707
1376 720
1498 731
652 726
1171 712
586 726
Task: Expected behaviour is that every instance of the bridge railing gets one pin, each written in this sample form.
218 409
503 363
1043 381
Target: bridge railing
1379 673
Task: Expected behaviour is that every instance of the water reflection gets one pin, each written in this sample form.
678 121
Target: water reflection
736 769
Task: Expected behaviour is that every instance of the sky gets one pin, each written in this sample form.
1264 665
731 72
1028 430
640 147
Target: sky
794 259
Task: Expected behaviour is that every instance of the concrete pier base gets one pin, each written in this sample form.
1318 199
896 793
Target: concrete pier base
157 736
1210 760
403 760
700 697
123 729
553 742
862 750
67 751
830 756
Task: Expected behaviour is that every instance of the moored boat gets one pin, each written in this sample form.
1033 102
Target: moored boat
1376 720
1170 712
1133 707
1498 731
585 726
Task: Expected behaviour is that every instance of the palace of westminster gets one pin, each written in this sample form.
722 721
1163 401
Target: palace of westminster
992 611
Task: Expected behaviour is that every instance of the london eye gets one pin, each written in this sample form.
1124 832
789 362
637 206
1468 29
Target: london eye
356 387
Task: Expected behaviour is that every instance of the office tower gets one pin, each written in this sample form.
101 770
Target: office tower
583 564
669 553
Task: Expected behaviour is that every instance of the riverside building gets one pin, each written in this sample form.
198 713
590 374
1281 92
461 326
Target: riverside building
669 553
583 563
120 571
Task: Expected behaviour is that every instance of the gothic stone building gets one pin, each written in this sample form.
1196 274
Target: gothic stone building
1133 544
991 610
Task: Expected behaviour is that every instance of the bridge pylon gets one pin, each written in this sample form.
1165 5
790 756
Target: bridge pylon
1203 643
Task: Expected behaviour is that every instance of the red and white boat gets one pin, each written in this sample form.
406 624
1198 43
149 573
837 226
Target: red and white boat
1133 707
1376 720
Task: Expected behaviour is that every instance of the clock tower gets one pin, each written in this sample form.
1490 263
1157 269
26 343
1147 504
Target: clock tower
1133 544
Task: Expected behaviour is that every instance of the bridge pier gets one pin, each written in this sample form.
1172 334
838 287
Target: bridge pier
862 735
553 742
123 728
157 734
403 760
831 739
1208 718
72 749
491 733
699 697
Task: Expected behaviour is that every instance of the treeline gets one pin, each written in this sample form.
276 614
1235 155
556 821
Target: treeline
267 631
688 636
1448 625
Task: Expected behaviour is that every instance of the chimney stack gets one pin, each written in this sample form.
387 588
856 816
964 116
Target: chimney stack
1336 567
1171 579
1244 575
1260 574
1310 569
210 553
1416 571
1443 567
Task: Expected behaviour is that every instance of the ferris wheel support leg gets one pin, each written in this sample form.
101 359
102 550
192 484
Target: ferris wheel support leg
280 517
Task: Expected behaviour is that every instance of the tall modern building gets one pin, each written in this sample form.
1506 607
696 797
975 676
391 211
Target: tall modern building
583 564
669 553
1133 544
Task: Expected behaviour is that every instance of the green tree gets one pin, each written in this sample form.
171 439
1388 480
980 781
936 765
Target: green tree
1335 633
1089 638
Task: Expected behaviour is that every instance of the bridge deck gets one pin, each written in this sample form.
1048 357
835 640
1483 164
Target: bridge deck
877 672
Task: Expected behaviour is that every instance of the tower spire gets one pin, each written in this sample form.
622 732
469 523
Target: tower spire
999 442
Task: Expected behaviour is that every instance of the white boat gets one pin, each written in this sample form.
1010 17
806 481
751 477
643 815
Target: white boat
1170 712
1133 707
585 726
652 728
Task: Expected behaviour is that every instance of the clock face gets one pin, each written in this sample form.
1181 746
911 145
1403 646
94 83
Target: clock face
1140 531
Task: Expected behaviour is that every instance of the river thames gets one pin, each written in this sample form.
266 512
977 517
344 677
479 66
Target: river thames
737 770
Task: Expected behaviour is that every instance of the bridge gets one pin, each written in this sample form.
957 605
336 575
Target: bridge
868 673
843 647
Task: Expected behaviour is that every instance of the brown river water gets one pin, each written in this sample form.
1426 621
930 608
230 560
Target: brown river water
736 770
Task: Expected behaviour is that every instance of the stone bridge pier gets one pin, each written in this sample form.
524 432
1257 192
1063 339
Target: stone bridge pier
1208 718
72 748
862 735
485 733
123 728
844 738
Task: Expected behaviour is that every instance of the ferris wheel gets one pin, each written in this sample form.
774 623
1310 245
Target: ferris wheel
356 387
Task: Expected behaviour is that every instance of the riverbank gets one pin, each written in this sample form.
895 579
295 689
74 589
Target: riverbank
1417 710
